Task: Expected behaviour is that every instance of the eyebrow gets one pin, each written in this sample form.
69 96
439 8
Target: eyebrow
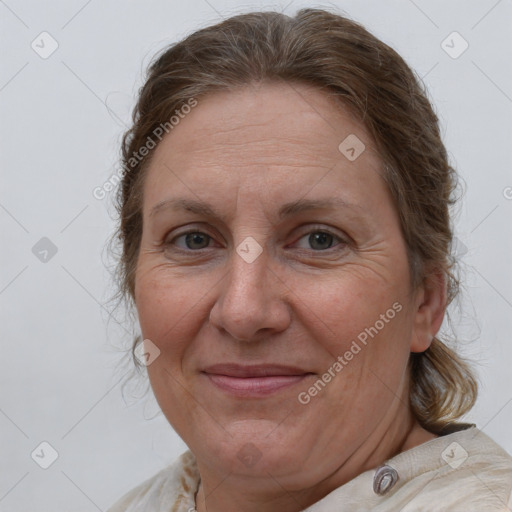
286 210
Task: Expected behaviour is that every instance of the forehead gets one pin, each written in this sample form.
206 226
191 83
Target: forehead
264 138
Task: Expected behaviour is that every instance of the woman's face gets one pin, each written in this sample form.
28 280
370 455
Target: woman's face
285 323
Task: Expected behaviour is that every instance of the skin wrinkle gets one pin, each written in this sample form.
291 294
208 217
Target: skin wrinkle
289 306
363 230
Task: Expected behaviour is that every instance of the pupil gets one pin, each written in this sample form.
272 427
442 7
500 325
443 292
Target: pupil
319 237
195 238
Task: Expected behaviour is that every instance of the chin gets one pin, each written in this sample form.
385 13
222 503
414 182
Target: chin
251 449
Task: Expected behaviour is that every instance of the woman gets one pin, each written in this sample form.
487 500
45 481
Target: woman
294 347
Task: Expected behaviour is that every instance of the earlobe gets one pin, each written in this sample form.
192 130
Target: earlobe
430 310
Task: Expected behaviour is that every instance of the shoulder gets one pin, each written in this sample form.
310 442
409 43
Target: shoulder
173 486
472 473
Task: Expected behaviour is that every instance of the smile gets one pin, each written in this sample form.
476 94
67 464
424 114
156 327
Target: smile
254 381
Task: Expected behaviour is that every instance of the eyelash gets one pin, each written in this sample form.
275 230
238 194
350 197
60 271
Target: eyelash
171 243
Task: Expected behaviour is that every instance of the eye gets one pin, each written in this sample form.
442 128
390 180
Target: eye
193 240
321 240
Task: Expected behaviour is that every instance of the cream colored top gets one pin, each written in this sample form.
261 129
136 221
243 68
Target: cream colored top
464 471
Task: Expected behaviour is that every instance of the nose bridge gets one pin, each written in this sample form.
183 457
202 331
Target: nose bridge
249 260
249 302
245 291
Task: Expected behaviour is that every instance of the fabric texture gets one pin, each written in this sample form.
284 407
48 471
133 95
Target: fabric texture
464 471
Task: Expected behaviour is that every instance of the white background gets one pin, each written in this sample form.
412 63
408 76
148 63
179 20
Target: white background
61 122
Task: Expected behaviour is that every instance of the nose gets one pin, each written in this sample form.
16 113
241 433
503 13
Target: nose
252 303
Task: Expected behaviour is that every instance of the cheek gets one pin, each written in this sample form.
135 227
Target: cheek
166 309
363 321
343 306
168 316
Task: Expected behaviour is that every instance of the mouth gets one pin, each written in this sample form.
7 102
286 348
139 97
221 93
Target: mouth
254 381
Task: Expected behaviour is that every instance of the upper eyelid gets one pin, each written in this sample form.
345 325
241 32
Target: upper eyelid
308 229
344 239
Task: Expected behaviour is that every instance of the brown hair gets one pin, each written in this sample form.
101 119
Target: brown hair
343 59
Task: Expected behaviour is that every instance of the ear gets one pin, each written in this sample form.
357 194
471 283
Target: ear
430 307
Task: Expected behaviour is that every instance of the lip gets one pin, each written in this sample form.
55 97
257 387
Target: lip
254 380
